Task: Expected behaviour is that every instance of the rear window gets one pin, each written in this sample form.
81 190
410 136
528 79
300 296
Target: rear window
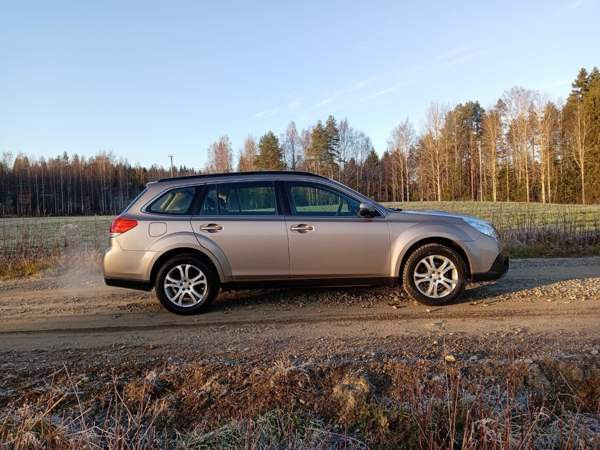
176 201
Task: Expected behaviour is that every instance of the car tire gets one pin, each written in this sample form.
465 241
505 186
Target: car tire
186 284
434 274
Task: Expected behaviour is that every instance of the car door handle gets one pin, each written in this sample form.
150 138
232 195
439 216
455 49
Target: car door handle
302 228
211 227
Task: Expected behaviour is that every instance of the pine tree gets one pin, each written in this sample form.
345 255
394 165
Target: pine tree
316 152
592 105
578 122
270 155
581 84
332 154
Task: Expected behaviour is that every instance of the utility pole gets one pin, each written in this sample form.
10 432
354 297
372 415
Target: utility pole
171 158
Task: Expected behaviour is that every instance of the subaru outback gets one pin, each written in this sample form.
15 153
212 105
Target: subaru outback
190 237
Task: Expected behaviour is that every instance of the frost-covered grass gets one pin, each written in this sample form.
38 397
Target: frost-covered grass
547 404
527 229
31 244
532 229
515 215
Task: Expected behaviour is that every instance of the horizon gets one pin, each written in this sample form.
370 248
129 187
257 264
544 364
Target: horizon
145 81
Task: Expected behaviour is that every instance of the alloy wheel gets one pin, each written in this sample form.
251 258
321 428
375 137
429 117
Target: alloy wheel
435 276
185 285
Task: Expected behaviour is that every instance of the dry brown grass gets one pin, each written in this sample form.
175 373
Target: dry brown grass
31 263
30 245
23 266
546 404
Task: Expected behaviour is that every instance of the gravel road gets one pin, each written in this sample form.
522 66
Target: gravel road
539 297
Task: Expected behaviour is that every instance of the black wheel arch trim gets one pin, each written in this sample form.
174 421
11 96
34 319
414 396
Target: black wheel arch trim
179 251
128 283
441 241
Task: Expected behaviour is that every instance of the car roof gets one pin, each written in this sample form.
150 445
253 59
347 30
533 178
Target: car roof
241 174
155 188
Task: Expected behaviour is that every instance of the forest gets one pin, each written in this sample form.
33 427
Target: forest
524 148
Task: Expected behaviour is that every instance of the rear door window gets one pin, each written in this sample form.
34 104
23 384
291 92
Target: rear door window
240 199
210 205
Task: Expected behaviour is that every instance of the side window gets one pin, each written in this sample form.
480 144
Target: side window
175 201
240 199
210 207
314 200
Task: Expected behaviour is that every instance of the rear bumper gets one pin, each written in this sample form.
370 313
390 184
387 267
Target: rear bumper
498 270
129 284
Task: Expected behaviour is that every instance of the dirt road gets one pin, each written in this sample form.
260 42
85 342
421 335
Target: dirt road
341 356
76 311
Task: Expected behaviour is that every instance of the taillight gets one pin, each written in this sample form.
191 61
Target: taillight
121 225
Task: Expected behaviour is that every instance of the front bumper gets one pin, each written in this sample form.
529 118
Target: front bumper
498 270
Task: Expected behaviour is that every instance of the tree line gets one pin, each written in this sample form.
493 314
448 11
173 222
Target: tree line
71 185
523 148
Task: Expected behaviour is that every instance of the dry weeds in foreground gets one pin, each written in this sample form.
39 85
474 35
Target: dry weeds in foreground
522 404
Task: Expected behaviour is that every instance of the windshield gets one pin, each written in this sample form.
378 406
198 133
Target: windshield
361 196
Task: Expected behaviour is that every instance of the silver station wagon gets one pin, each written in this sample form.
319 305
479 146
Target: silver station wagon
190 237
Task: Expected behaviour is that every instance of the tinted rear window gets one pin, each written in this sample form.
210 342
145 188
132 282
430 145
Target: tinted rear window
233 199
176 201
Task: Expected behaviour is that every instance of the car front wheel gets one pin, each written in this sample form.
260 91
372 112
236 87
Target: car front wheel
434 274
186 285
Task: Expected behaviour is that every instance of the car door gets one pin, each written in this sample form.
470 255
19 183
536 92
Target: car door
243 219
328 239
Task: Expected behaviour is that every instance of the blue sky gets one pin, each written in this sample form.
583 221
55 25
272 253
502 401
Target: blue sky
145 79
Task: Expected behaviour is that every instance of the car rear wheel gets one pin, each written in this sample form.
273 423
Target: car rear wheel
186 285
434 274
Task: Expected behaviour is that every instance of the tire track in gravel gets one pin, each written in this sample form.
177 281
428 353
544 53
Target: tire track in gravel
496 314
543 295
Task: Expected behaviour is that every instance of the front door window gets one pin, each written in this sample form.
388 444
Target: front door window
313 200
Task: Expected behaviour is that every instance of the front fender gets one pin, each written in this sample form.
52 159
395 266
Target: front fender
403 238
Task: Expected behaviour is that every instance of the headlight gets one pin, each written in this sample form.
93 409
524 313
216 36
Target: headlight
483 227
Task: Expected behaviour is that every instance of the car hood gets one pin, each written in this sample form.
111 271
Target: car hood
433 213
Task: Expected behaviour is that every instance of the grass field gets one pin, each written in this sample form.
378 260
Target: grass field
513 215
29 244
86 232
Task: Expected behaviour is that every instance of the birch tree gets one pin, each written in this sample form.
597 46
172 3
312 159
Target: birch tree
220 156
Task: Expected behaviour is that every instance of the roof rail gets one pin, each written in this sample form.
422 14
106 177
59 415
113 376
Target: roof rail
232 174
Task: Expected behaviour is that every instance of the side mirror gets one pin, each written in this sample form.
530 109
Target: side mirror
367 210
